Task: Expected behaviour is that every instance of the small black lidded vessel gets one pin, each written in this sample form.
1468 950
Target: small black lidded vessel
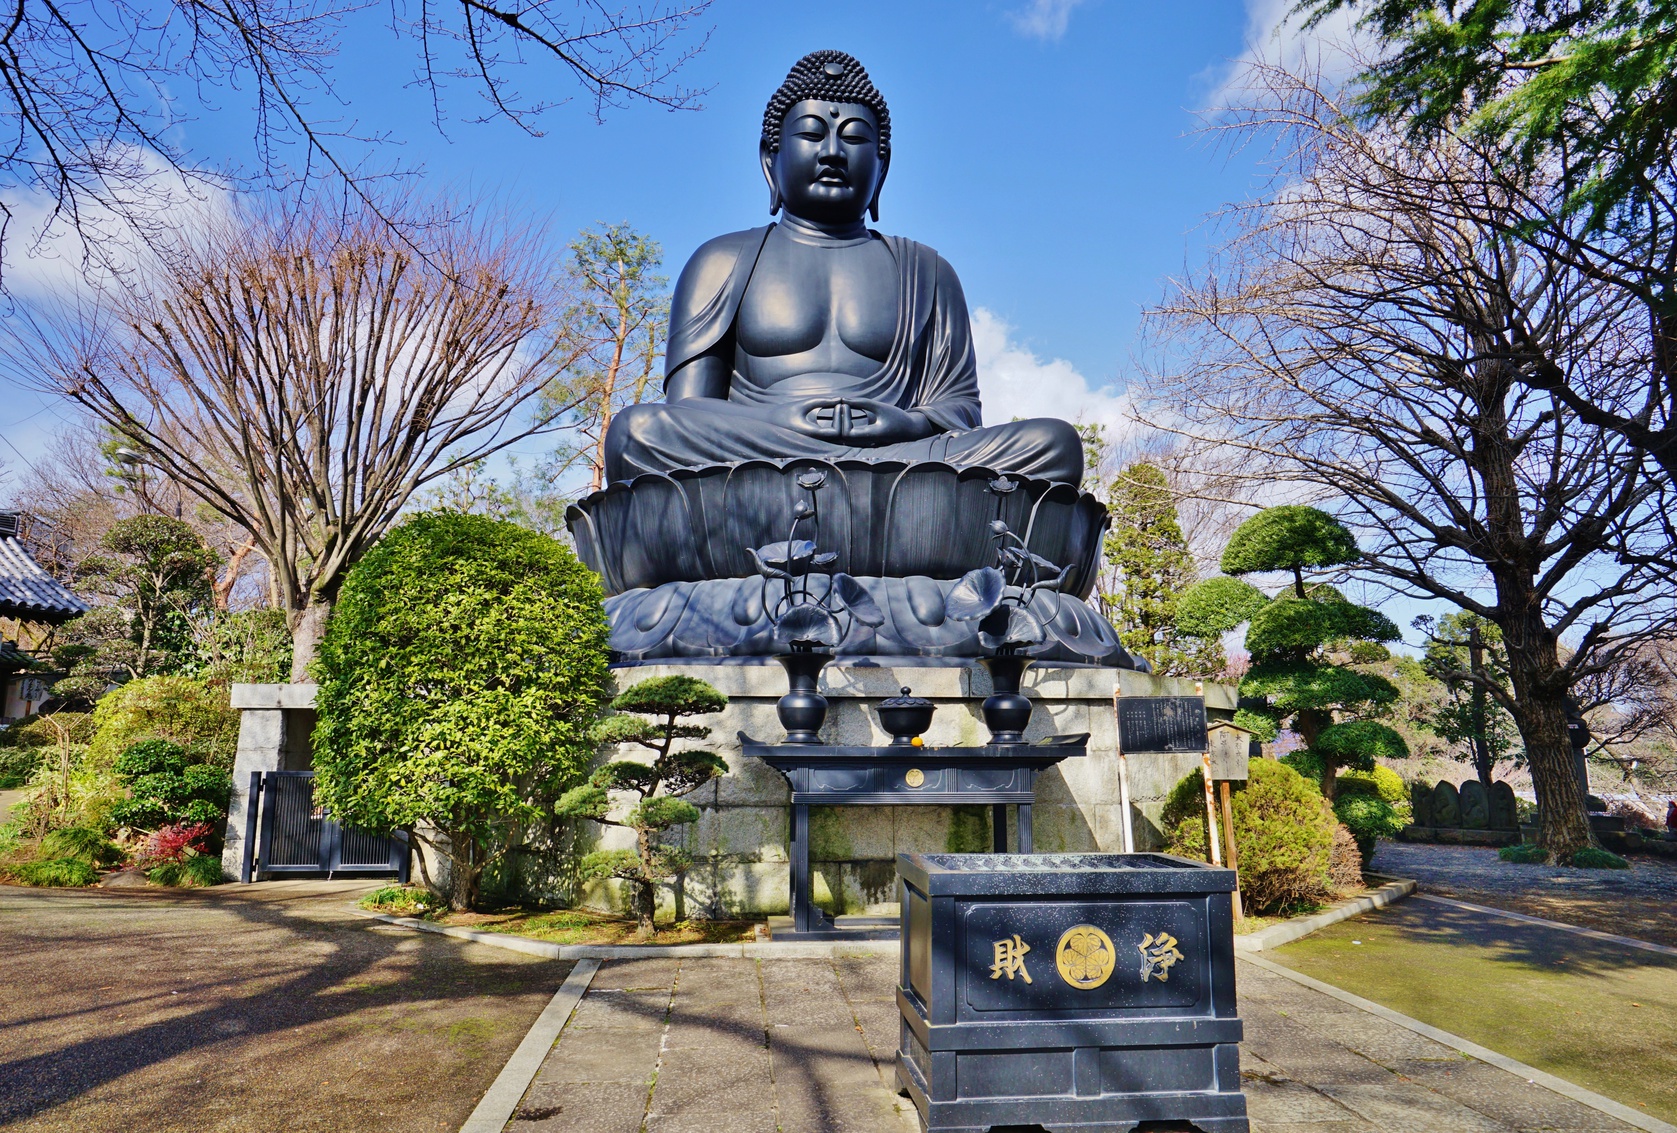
906 717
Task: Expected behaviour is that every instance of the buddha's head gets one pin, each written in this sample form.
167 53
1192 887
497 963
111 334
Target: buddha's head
826 141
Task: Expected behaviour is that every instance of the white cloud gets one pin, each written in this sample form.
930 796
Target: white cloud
1014 382
49 253
1043 19
1275 36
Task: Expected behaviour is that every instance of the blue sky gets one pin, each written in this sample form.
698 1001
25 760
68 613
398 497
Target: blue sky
1047 147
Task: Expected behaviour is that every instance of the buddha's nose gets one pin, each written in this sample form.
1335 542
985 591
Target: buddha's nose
830 149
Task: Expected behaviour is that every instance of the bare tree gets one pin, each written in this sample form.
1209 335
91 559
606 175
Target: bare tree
83 123
305 378
1368 331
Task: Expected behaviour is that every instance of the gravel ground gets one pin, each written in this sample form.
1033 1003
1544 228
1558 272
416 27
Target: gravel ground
1637 902
247 1008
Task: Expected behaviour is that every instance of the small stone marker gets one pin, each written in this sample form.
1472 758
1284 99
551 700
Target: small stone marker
1420 803
1505 813
1446 805
1475 806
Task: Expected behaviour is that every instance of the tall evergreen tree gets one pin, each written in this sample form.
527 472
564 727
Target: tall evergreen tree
1152 567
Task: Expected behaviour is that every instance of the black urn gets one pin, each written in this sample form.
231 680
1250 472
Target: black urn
1007 711
802 710
906 716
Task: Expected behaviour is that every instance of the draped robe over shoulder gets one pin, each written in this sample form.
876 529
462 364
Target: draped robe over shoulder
931 369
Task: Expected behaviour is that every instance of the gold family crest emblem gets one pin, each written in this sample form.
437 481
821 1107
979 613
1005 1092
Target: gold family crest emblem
1085 957
1158 953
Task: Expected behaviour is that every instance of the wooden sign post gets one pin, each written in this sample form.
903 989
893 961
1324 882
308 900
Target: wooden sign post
1154 724
1227 750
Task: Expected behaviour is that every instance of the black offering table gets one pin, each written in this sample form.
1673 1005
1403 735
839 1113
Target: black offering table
997 775
1079 992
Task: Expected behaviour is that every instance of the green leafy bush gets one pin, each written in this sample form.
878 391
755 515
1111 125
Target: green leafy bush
166 789
17 764
1284 833
460 678
1369 818
1526 853
191 713
59 873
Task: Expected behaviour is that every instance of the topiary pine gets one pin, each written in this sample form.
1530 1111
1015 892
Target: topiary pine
1290 537
1300 639
673 773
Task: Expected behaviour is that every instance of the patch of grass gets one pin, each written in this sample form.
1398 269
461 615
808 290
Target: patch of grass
196 871
402 901
82 842
1590 857
1591 1012
579 926
58 873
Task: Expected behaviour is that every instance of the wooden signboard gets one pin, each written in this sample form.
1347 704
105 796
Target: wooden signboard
1167 724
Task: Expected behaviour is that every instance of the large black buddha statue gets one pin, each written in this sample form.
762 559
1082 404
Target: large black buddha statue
817 351
816 336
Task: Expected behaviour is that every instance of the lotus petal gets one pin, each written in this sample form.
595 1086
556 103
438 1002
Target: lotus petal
975 595
857 600
807 625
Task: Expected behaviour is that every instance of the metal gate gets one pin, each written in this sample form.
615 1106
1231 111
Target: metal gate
287 834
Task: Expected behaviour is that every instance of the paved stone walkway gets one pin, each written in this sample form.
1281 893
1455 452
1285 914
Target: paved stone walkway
807 1046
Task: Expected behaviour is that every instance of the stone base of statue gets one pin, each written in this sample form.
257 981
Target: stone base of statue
674 553
741 844
725 617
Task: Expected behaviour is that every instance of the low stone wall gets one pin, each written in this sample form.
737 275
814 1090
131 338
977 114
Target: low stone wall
740 843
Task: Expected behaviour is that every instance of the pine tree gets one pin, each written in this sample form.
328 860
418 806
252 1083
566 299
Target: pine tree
1152 567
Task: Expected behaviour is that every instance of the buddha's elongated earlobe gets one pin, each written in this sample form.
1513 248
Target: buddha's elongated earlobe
766 157
879 187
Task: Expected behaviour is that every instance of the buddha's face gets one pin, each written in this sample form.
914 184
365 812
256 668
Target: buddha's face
827 168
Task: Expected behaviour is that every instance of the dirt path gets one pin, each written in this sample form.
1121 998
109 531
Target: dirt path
1639 901
247 1008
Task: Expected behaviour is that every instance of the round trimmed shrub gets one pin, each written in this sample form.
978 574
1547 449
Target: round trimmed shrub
1284 832
1369 818
1382 781
460 677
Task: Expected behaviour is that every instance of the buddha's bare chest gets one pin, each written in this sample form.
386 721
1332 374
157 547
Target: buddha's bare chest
833 301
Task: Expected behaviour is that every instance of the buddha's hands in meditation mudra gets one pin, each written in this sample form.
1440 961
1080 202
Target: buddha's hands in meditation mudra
857 421
817 337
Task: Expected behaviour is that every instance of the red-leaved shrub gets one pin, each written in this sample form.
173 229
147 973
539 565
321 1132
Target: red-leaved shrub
171 843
